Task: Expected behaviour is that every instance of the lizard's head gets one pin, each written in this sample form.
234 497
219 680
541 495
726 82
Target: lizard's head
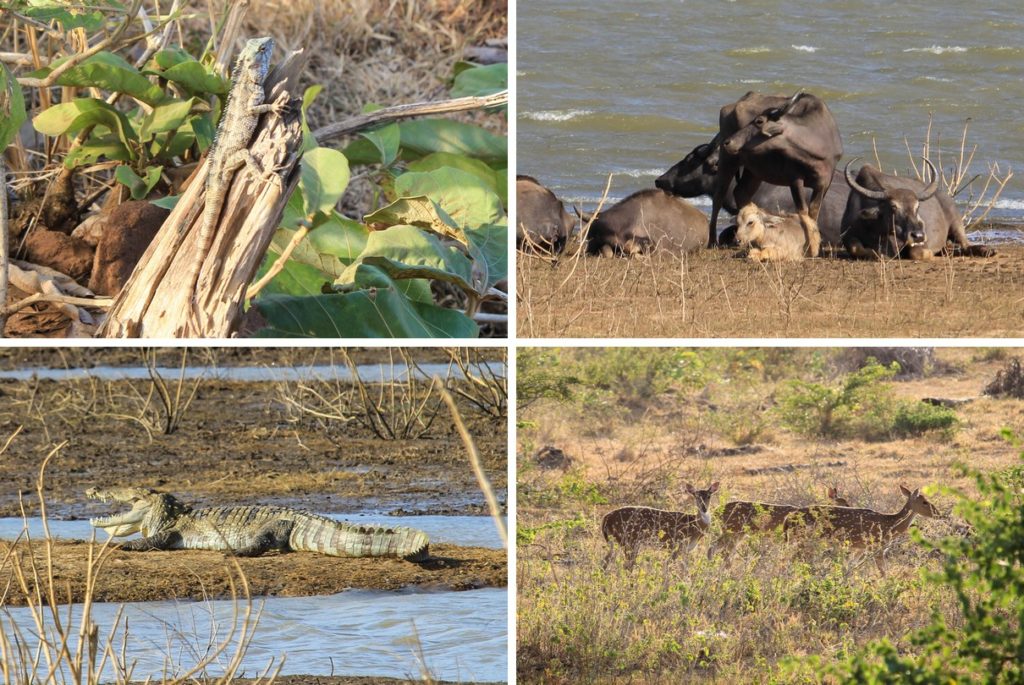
150 510
254 59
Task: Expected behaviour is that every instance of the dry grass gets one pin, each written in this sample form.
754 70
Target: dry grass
712 294
716 620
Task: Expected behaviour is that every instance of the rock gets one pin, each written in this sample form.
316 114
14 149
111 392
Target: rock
127 232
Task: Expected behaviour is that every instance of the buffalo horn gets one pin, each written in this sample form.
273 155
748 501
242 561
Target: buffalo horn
933 185
870 194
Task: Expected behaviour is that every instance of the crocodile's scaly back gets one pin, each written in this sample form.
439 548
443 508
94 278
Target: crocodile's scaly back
312 533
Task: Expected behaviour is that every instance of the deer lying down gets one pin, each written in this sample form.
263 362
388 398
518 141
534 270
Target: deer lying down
865 528
634 527
773 238
740 518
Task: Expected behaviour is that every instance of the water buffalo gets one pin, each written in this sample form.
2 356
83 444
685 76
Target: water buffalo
790 142
646 220
771 238
695 175
893 216
541 220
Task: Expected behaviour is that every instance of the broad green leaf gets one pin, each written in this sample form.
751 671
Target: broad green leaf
463 196
138 186
379 312
324 177
408 252
165 59
308 96
329 248
423 137
480 80
438 160
107 147
416 211
12 108
167 146
501 180
166 117
110 72
489 248
72 117
45 12
168 202
295 278
196 79
387 140
205 132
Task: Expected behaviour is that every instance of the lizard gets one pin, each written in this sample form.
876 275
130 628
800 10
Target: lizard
230 149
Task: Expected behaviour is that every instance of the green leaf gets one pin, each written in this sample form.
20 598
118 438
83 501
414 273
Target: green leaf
416 211
107 147
165 59
139 187
378 312
12 108
45 12
168 202
463 196
489 248
196 79
71 117
168 117
296 278
110 72
479 80
205 132
426 136
308 96
404 252
329 248
438 160
387 140
324 177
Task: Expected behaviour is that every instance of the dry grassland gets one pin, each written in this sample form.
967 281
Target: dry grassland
712 293
737 619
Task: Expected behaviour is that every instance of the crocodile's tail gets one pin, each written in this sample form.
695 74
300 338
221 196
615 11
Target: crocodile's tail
341 539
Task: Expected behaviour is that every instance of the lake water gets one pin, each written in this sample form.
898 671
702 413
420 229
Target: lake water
463 636
627 88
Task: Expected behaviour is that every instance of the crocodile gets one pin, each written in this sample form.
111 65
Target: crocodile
167 523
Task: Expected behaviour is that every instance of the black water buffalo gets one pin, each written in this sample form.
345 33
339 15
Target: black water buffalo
790 142
541 220
695 175
647 220
893 216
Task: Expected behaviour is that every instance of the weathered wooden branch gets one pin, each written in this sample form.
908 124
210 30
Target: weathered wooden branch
4 245
155 303
363 121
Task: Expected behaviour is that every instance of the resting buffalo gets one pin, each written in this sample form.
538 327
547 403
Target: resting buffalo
647 220
695 175
541 220
771 238
787 142
891 216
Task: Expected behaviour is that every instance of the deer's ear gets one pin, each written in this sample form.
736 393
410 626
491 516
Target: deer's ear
905 491
689 488
714 487
832 492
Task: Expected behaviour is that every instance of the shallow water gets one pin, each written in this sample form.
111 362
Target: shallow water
369 373
470 531
462 635
607 87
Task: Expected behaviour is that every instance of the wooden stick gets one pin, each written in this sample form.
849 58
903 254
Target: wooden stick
396 112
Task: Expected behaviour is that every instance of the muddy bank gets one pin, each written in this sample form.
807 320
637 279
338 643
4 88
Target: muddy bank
198 575
237 443
712 293
337 680
87 358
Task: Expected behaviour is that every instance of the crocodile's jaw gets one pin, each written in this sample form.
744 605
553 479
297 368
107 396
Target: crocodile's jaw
127 523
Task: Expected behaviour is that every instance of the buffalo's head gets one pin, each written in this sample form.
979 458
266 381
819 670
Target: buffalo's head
768 124
895 214
695 174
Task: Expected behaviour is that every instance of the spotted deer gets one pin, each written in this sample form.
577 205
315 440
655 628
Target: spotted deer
634 527
862 528
740 518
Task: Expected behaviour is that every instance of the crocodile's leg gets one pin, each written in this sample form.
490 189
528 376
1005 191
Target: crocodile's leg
166 540
273 535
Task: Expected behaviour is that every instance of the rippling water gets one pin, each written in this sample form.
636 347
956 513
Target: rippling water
627 88
462 636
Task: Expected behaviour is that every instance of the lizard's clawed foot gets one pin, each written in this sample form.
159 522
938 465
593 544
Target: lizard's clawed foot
282 105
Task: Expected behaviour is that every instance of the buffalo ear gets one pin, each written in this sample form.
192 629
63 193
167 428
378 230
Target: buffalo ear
870 214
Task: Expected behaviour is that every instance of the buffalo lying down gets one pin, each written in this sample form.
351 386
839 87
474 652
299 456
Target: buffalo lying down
771 238
695 175
893 216
647 220
541 220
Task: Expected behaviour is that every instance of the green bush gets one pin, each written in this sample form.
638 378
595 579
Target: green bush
861 405
986 573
